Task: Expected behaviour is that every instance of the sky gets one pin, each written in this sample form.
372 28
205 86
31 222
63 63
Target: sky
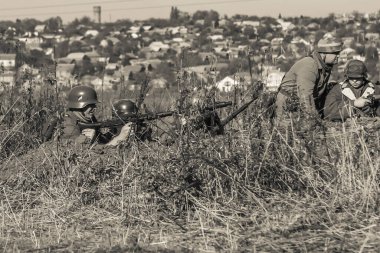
113 10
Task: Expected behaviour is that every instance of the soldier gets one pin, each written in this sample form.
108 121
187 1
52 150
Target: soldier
125 107
306 82
82 101
352 97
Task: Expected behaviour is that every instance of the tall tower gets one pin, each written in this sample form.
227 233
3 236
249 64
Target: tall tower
97 14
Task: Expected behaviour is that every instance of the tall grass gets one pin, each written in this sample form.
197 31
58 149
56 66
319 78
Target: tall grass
257 188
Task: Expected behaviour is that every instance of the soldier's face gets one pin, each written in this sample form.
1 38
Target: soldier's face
89 111
332 58
356 82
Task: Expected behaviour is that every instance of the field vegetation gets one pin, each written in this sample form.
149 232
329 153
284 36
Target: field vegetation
256 188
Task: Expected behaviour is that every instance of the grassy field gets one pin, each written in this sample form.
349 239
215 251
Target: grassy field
257 188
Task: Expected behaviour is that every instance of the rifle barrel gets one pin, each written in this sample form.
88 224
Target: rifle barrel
143 117
125 119
236 112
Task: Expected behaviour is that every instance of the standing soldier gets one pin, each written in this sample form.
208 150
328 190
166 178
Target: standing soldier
82 101
352 97
306 83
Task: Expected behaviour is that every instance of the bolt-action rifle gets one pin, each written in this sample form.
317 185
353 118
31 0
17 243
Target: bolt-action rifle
257 90
230 117
140 118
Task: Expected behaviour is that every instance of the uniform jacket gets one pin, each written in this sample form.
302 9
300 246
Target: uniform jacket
67 128
339 106
308 78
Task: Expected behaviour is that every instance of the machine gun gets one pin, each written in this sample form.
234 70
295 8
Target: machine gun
140 118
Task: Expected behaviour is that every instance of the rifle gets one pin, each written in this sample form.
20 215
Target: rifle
256 95
374 98
215 105
140 118
219 128
135 118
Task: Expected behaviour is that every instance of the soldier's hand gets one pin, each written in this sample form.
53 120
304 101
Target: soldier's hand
89 133
125 131
361 102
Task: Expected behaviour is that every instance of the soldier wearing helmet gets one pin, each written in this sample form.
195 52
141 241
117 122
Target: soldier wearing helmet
352 96
125 107
81 106
306 82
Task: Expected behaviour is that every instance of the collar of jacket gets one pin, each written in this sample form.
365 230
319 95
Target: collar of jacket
77 116
366 89
321 64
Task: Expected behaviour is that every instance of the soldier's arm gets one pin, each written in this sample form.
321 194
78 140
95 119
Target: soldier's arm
377 103
336 106
306 78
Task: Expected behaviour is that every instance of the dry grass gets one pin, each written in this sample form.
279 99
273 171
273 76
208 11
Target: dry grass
256 188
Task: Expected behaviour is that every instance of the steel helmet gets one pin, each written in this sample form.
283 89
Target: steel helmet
355 69
329 45
123 107
81 96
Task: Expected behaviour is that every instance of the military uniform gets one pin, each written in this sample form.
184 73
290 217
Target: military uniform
351 97
304 86
339 101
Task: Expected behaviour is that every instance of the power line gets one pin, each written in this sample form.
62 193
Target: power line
64 5
135 8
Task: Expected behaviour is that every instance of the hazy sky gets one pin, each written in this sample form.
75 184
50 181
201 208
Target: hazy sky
113 10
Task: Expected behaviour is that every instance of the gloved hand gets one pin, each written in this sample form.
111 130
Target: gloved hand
125 131
124 134
361 102
89 133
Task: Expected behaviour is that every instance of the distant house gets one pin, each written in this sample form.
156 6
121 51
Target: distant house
227 84
32 42
313 26
64 74
216 37
286 26
346 54
146 64
372 36
40 28
276 42
273 80
7 69
92 33
77 56
250 23
157 46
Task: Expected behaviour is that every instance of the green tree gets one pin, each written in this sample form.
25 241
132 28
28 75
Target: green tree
174 14
53 24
